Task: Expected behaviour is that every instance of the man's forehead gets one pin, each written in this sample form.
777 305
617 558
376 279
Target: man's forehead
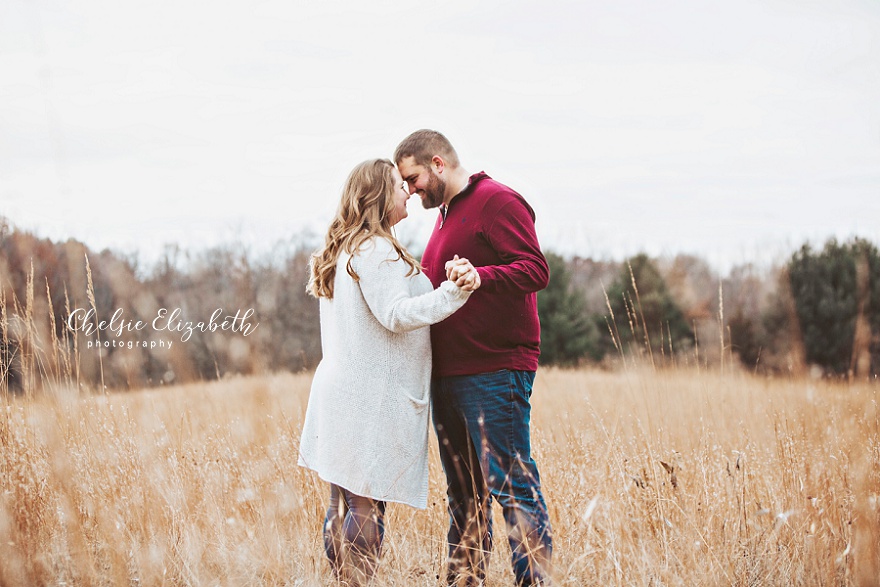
408 166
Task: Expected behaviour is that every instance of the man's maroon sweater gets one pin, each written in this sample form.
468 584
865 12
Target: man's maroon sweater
493 227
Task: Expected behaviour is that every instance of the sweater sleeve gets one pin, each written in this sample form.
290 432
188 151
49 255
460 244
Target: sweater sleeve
386 289
512 235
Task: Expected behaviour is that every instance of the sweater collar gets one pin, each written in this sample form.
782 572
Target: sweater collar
472 181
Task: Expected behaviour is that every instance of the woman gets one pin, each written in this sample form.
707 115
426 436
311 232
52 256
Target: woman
366 425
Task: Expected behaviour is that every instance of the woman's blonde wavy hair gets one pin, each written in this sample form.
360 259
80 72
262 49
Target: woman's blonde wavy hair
365 211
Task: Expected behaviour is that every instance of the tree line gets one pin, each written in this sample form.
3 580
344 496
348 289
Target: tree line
821 309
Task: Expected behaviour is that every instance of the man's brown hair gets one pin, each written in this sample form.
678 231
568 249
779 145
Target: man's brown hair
422 145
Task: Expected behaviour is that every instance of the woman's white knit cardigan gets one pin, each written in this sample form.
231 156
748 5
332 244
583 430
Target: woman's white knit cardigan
366 425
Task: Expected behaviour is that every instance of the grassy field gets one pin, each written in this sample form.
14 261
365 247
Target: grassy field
652 478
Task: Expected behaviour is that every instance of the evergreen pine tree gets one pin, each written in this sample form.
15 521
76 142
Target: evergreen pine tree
831 293
567 334
645 315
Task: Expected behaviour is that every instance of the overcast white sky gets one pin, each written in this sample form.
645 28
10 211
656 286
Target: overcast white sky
733 130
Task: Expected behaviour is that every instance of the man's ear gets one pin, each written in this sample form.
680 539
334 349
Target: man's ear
438 163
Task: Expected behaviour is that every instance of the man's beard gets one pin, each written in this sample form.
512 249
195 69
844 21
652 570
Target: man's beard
434 192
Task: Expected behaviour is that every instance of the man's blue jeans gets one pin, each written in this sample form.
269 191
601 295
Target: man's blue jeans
482 424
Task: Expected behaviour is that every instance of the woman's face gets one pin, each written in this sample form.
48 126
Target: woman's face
399 196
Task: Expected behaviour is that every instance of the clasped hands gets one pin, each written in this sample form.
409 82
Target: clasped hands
461 272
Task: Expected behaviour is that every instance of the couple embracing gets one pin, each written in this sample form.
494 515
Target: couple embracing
384 372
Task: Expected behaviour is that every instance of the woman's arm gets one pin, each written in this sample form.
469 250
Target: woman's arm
384 284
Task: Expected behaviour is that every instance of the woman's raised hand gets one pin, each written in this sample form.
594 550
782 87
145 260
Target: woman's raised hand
462 273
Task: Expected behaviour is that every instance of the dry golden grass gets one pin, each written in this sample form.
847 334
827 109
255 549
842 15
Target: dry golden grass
669 478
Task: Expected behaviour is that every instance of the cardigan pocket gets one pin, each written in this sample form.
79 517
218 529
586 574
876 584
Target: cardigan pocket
419 404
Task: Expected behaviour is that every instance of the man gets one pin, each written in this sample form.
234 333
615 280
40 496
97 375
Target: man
485 357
